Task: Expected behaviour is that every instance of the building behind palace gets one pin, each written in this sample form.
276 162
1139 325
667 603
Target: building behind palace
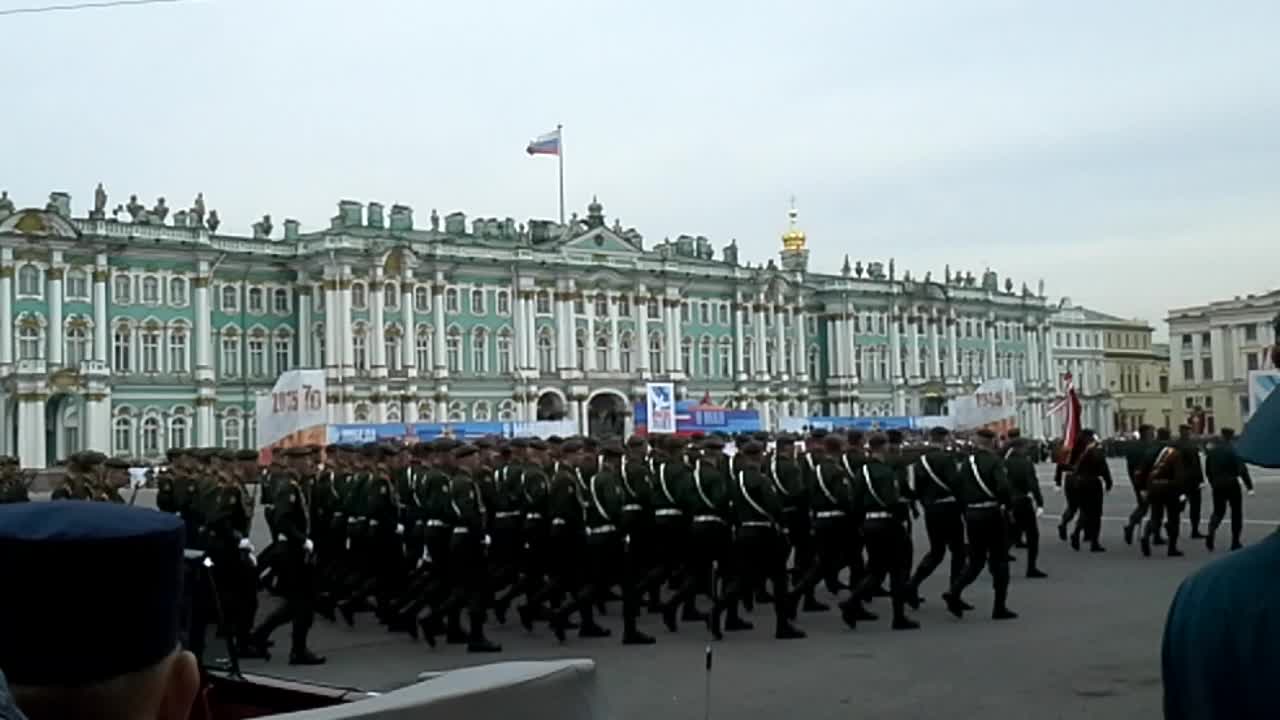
139 329
1212 348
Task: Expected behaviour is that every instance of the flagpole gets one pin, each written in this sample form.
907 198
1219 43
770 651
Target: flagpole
560 155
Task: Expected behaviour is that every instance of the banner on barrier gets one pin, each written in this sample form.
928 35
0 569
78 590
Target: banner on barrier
293 413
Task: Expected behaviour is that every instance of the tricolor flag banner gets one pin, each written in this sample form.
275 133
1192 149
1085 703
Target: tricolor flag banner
548 144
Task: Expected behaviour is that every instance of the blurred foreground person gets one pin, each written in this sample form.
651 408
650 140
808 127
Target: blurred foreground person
1221 650
123 660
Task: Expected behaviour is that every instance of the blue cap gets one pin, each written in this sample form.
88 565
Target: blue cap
91 591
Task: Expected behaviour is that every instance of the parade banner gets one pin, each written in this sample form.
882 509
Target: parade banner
660 408
1261 384
992 406
409 433
690 417
293 413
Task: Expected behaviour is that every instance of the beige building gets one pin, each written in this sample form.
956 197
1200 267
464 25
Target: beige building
1137 373
1212 348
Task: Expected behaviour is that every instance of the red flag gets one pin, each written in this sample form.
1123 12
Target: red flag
1071 423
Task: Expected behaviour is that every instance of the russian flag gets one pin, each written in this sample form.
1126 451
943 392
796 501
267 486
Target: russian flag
548 144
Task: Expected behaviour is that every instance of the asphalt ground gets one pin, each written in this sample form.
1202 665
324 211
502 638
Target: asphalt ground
1087 644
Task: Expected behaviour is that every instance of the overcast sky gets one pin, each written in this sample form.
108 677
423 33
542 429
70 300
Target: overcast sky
1126 152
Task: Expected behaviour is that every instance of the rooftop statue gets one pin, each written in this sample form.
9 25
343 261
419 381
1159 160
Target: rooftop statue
1040 290
160 211
435 221
262 228
846 268
1008 285
6 205
137 211
947 278
857 269
890 268
928 276
99 203
197 209
213 222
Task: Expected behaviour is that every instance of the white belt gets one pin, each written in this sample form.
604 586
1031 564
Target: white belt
943 500
435 523
601 530
669 511
829 513
878 515
980 505
534 516
633 507
507 514
461 530
559 521
757 523
351 520
708 518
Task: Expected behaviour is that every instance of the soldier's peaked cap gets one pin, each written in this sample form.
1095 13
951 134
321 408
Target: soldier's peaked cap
752 447
49 641
464 450
636 442
986 434
1013 434
572 445
939 432
118 463
246 455
894 436
833 443
786 439
877 440
537 444
713 443
612 448
818 433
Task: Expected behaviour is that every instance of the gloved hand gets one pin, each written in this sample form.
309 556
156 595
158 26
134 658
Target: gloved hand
373 523
1251 493
253 559
399 528
281 538
1057 488
1039 512
308 545
246 545
487 540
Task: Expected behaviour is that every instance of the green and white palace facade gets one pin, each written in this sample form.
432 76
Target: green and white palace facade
133 331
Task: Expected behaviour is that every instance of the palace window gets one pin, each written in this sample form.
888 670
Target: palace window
579 306
359 299
30 281
179 429
506 411
230 299
543 303
652 310
391 296
624 306
151 350
723 312
580 346
451 300
362 413
121 288
320 354
29 345
122 350
151 436
231 434
546 355
684 312
392 411
422 349
882 363
704 357
602 305
813 362
77 285
257 302
725 357
504 351
480 411
77 346
391 348
426 411
122 435
282 346
686 354
477 302
360 349
770 355
704 313
625 347
317 298
178 291
480 351
257 356
655 352
178 352
422 298
788 358
748 354
455 412
150 290
230 355
280 301
504 303
602 352
453 350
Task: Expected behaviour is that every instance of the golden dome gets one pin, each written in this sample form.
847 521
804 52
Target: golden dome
793 239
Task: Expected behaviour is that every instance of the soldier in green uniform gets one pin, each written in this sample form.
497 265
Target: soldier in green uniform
115 476
1226 471
706 501
1028 503
1134 453
937 478
984 490
77 484
1191 477
1162 471
565 540
234 565
883 512
167 487
507 531
828 487
13 487
757 552
669 477
783 470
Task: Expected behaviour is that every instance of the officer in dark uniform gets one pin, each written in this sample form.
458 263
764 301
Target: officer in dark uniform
706 501
13 487
1028 503
507 532
1226 471
829 497
783 470
757 553
234 568
670 478
883 513
984 490
566 517
936 483
1192 477
1162 472
637 513
1092 478
296 563
1136 452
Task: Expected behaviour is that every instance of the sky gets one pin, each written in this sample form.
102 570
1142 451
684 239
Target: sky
1124 152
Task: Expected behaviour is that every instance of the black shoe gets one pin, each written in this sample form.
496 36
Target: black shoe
764 598
526 617
1062 533
1036 574
557 624
848 613
456 637
594 631
788 631
1003 613
483 645
348 614
713 621
635 637
1075 543
305 657
692 614
737 624
1146 546
1011 558
905 623
965 606
500 612
1208 542
410 625
669 618
879 592
954 606
863 614
1175 552
1159 540
1128 534
1096 548
1236 546
250 650
811 604
1195 534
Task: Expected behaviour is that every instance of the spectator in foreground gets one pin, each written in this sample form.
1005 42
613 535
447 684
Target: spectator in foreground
8 711
89 616
1221 653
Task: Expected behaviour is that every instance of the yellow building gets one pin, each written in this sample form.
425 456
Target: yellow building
1136 373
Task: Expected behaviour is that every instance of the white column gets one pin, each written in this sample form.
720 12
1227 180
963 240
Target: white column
739 341
991 349
377 326
1175 360
615 357
953 350
408 339
519 326
780 339
332 348
849 347
801 359
833 347
761 336
531 334
31 431
589 357
6 306
1217 351
344 328
53 292
895 348
935 347
641 308
913 345
574 415
1050 369
101 349
437 335
677 331
1032 357
302 296
97 423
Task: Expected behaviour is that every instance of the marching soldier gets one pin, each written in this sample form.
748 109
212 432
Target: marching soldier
1191 477
829 497
115 476
706 501
1028 503
1226 471
1092 479
13 487
1135 454
1162 471
984 490
882 511
234 565
937 481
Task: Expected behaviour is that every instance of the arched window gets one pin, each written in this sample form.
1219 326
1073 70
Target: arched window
151 348
150 290
258 352
451 300
151 436
813 362
686 354
178 351
543 303
504 351
480 411
358 298
602 305
360 348
546 354
230 298
748 355
422 298
883 363
724 358
655 352
257 303
426 411
504 303
30 281
362 413
282 351
29 345
479 351
626 346
232 435
391 296
789 357
422 348
230 353
122 433
704 357
280 301
121 289
506 411
455 412
602 352
652 309
393 412
77 287
178 294
580 348
453 349
477 302
391 344
77 345
179 428
122 349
